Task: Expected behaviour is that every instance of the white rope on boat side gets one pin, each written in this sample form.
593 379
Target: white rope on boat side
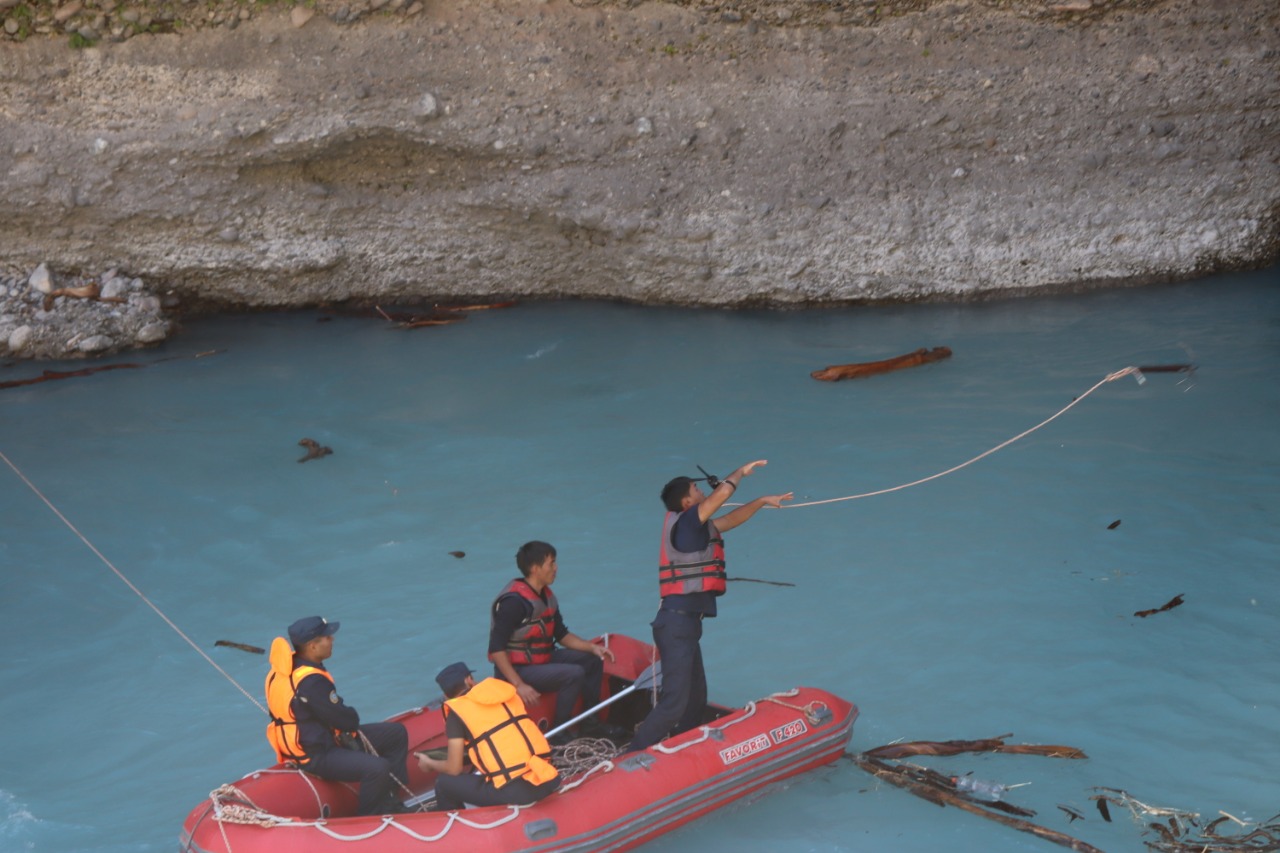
390 821
607 766
749 709
254 815
810 710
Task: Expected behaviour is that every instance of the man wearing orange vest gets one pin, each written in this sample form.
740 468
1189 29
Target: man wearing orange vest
313 726
691 575
486 723
525 626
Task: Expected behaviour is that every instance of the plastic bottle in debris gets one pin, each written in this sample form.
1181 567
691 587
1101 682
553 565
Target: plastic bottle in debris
980 788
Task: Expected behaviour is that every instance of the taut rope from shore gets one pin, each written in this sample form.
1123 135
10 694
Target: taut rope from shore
128 582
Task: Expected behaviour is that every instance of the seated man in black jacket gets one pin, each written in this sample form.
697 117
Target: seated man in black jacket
313 726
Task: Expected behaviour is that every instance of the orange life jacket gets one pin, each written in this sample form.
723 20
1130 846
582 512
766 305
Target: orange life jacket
535 639
281 686
505 743
681 572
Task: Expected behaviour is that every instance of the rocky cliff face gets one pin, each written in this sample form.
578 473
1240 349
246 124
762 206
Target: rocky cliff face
778 152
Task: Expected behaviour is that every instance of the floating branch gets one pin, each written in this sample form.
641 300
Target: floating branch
417 321
486 307
1176 601
936 788
836 372
955 747
314 449
244 647
48 375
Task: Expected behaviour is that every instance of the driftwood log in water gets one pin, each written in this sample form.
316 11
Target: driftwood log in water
86 371
1176 601
1167 368
836 372
941 790
244 647
955 747
933 787
65 374
435 315
484 307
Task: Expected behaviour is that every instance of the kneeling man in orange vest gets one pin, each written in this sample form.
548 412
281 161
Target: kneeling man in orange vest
487 723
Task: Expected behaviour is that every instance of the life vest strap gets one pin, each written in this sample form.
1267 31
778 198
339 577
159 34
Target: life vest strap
510 772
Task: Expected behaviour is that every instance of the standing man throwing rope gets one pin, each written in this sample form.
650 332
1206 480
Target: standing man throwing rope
691 575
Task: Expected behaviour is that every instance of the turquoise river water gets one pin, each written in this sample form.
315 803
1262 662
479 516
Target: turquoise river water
997 599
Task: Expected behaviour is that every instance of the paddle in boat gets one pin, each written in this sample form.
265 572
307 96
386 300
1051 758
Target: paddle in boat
614 804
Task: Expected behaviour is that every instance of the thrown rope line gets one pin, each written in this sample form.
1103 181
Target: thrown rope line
128 582
1111 377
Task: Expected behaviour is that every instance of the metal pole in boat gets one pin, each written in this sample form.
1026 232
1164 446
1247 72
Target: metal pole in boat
651 677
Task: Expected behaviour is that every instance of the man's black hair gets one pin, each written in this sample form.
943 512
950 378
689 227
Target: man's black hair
675 491
533 554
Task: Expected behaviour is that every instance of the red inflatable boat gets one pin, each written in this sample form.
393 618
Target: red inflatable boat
616 804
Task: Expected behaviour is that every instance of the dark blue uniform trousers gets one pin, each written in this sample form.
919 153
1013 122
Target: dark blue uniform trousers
683 699
378 790
453 792
570 674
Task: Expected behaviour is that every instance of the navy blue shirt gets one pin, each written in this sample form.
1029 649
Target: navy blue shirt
509 612
319 710
690 534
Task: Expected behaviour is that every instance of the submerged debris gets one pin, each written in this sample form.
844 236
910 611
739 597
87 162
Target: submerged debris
1176 601
944 790
1072 814
1180 831
314 449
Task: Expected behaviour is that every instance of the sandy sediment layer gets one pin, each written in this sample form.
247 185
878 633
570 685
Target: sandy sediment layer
654 152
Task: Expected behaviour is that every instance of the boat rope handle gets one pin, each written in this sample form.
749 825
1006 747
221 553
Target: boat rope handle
128 582
605 766
749 711
810 710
